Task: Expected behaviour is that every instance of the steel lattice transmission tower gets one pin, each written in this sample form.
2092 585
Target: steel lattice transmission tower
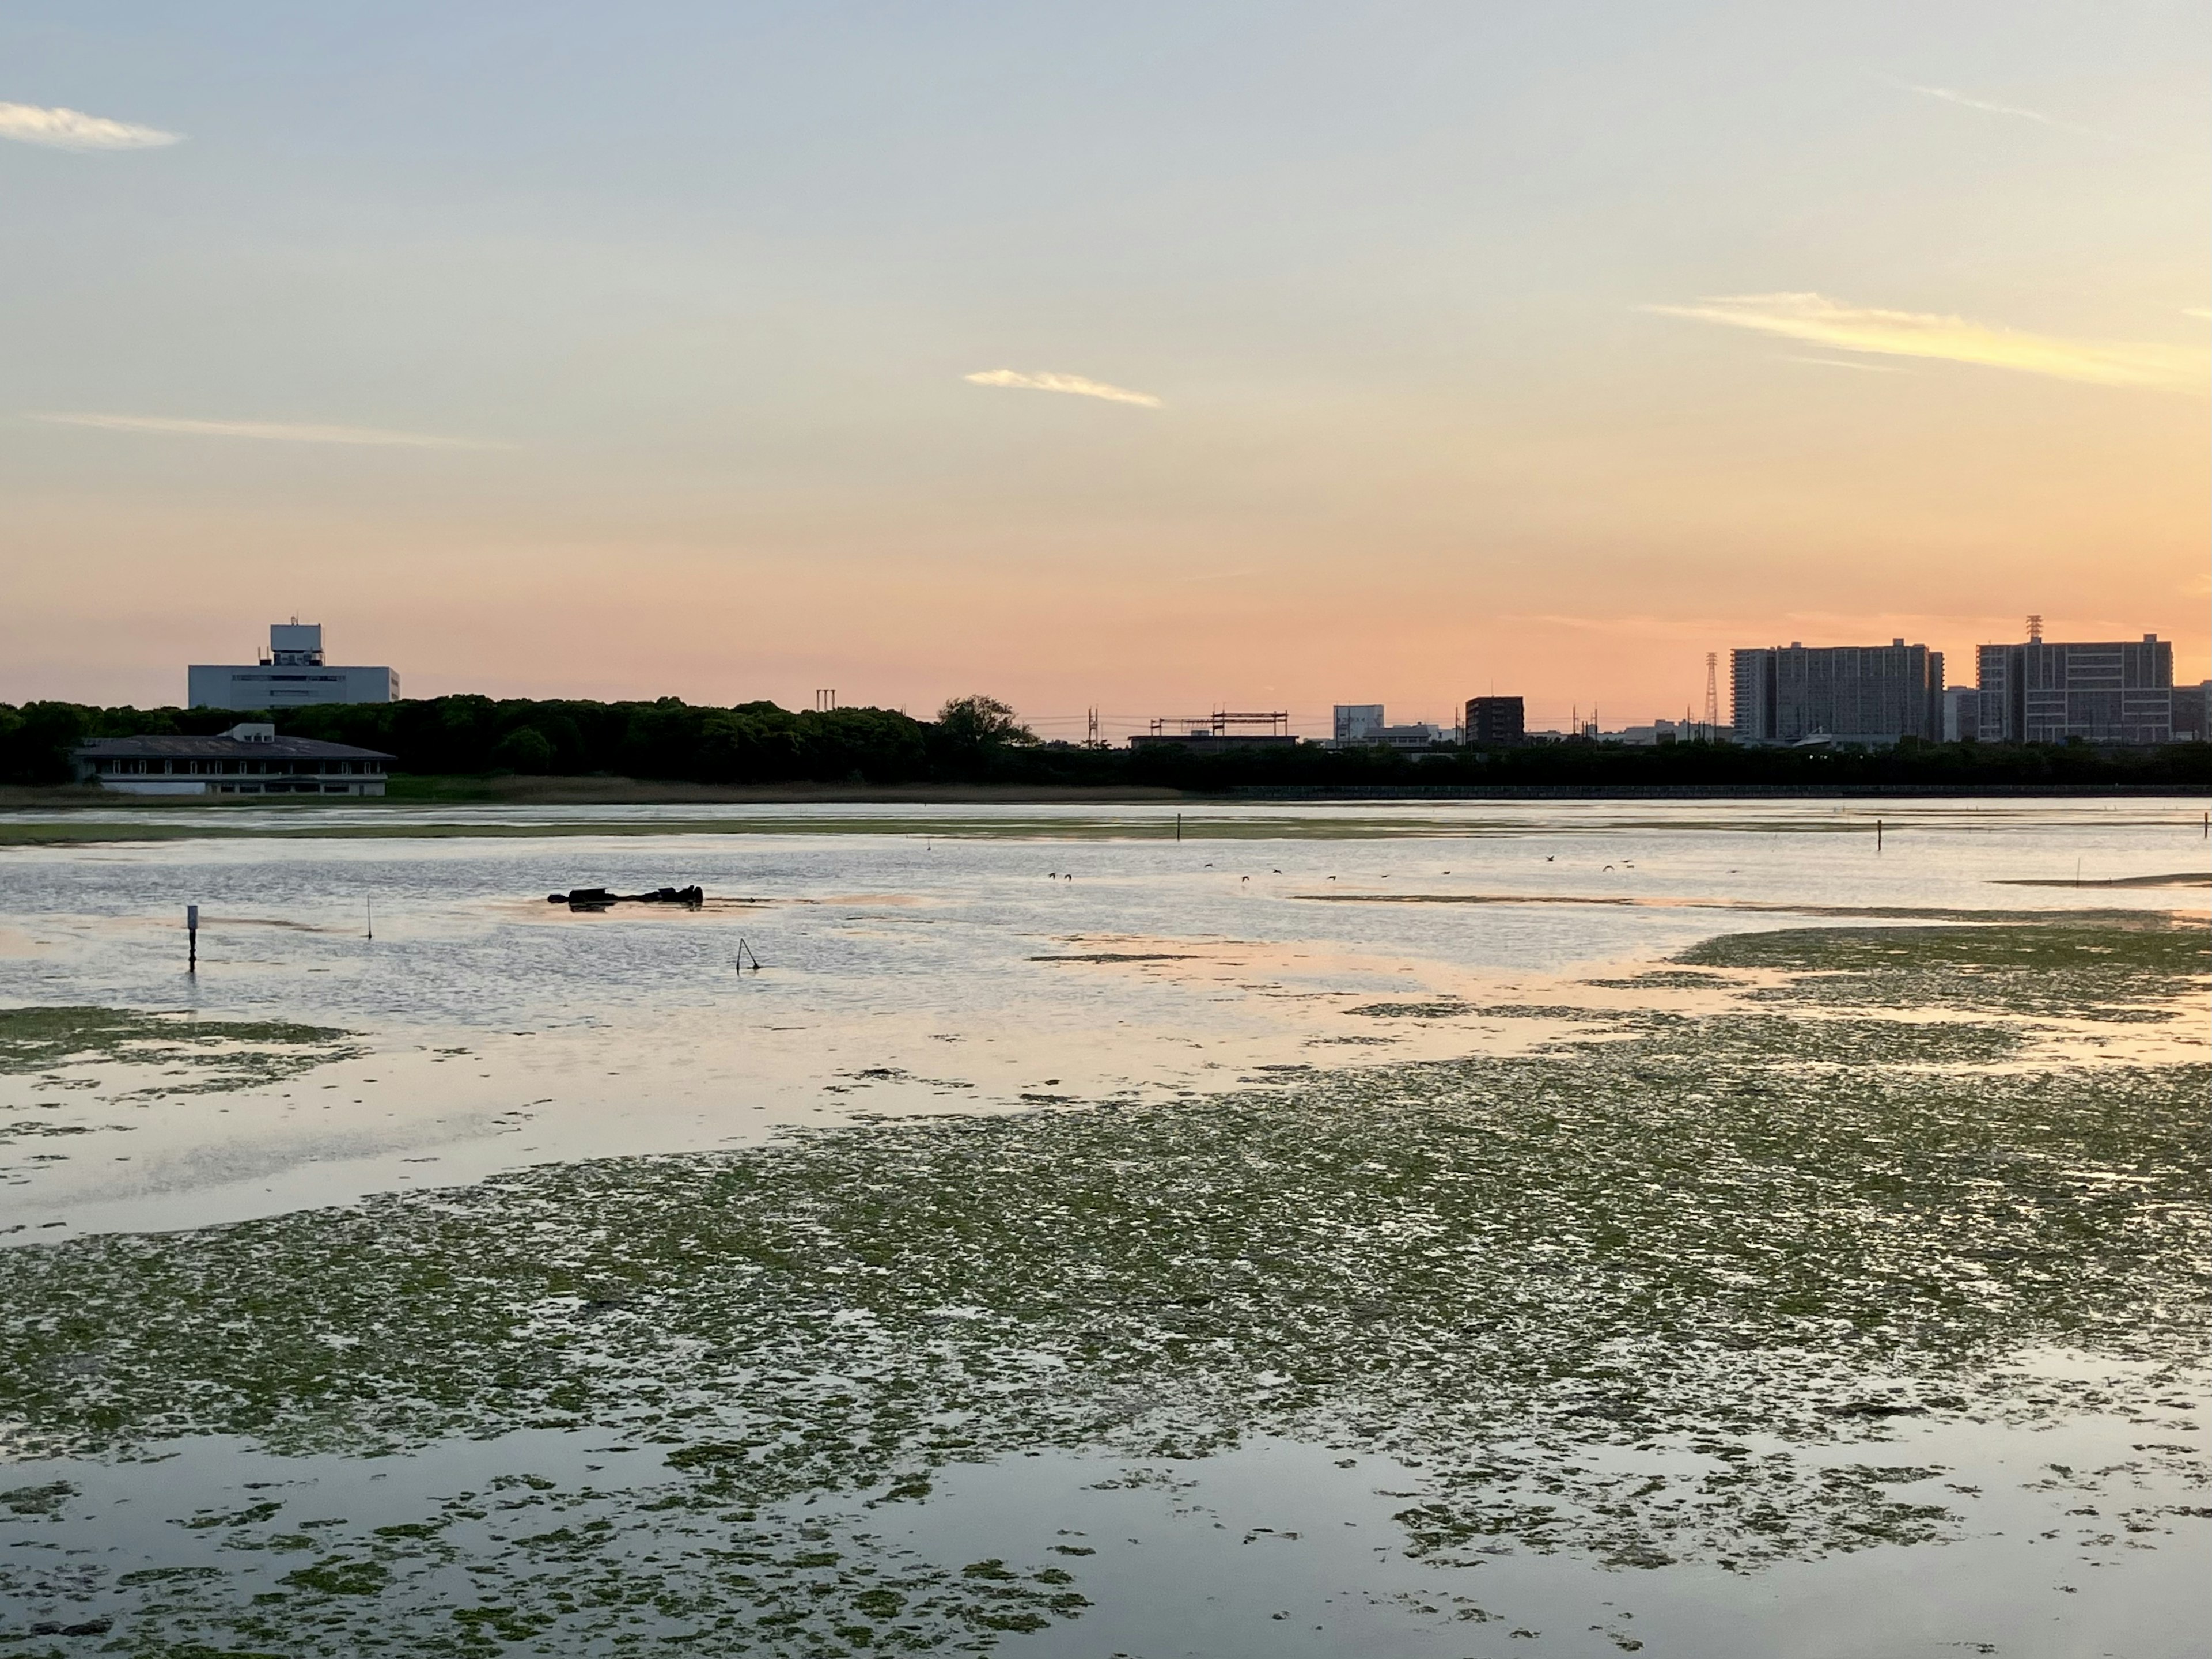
1712 692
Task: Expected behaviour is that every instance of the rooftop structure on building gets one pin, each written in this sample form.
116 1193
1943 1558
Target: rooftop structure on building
1869 694
1219 731
249 759
2051 691
290 673
1497 721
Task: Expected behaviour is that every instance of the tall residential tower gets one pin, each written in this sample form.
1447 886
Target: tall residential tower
1873 694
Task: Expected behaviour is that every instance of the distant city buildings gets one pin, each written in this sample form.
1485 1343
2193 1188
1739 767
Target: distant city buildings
1849 694
1496 720
1647 737
2100 692
290 674
1364 726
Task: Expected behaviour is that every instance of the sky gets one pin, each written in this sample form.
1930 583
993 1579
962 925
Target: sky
1149 358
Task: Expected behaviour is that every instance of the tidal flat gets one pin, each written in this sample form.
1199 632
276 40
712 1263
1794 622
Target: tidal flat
1825 1289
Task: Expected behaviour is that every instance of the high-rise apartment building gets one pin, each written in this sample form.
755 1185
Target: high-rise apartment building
2101 691
1848 693
1496 720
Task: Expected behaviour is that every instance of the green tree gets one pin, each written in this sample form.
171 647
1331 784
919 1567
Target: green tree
525 749
981 722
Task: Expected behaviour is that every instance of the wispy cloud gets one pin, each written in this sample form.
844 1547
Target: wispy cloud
2198 313
1075 383
1821 321
273 431
1838 363
2011 112
72 129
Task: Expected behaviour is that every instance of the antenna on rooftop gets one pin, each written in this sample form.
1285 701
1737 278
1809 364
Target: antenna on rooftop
2035 630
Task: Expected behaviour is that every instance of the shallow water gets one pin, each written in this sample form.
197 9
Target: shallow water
912 972
1346 1274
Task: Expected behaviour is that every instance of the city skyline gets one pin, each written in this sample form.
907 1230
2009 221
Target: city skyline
1273 357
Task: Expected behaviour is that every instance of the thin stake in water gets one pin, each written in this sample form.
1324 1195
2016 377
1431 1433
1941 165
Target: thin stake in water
191 938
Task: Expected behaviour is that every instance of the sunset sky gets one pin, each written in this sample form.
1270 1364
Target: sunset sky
1149 357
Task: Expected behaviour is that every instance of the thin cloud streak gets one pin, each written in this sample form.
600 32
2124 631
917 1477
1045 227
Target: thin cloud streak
1819 320
1838 363
269 431
72 129
1952 96
1076 384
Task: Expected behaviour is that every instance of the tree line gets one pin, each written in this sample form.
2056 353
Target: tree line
978 739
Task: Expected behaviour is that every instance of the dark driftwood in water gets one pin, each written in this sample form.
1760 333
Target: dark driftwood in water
598 898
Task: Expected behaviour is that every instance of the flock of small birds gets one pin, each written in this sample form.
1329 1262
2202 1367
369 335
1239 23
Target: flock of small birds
1061 875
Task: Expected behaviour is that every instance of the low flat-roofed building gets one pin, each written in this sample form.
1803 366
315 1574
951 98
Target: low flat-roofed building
1211 743
1219 732
1413 734
290 674
249 759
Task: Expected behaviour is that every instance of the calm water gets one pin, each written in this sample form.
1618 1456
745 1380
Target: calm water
902 970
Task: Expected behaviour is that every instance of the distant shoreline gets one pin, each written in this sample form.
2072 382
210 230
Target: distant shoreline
414 792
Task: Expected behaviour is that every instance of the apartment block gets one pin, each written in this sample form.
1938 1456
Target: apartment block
1496 720
1864 694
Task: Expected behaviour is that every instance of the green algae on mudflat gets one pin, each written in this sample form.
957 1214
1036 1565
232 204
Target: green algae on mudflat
1724 1248
2117 966
231 1053
38 1038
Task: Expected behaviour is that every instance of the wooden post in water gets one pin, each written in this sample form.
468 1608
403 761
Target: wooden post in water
1178 826
1877 835
191 938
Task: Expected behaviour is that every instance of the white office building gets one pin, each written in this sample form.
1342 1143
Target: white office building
1356 722
291 673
